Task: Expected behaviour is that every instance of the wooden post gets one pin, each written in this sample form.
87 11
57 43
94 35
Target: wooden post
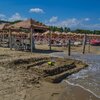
84 44
50 40
14 43
0 38
32 40
69 47
89 46
22 40
3 39
10 39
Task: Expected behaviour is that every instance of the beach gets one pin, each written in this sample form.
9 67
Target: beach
49 50
13 88
21 84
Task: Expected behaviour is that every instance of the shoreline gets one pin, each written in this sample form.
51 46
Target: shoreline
73 92
80 86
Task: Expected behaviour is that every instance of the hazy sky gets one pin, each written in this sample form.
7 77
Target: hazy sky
69 13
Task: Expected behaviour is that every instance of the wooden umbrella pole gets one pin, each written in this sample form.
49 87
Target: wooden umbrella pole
84 43
32 40
10 39
69 47
50 40
3 39
89 46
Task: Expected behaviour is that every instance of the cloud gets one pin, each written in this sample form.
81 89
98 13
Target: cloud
2 17
36 10
64 23
70 22
91 26
16 16
53 19
86 19
75 23
79 23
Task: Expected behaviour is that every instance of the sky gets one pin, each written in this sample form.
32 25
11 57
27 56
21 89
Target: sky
84 14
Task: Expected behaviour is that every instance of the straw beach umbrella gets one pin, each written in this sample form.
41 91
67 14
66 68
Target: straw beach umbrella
30 25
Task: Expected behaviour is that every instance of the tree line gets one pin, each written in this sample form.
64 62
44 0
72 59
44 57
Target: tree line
59 29
78 31
81 31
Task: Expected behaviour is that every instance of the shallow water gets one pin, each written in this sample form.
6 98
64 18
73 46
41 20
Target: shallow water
88 78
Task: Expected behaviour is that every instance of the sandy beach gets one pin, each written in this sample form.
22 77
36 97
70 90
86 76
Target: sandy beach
12 87
89 49
50 50
21 84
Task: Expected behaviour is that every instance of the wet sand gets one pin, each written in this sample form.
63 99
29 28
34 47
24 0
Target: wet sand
73 92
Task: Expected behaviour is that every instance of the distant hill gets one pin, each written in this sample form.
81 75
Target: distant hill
2 21
14 22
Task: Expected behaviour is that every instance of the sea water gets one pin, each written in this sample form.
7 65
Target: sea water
89 77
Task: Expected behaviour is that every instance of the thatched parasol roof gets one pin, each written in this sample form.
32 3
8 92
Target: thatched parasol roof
47 32
58 33
27 24
4 26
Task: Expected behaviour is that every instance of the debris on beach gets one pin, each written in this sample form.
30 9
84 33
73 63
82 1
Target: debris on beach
45 68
